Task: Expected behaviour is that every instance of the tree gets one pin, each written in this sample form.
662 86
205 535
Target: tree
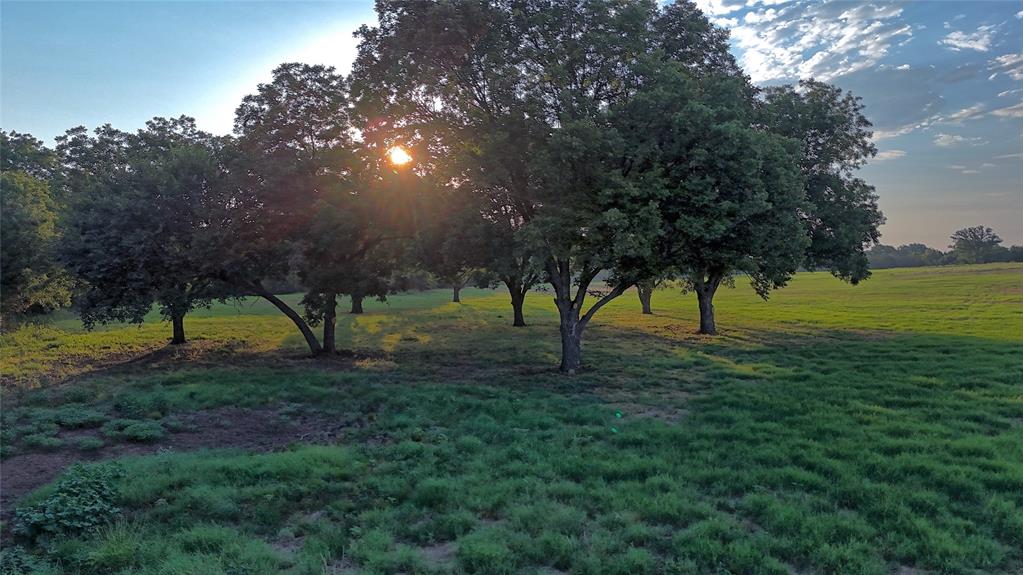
513 99
507 258
450 246
974 245
910 255
31 278
840 215
645 292
139 206
316 195
732 192
27 154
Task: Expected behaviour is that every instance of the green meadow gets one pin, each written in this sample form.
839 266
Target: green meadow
833 429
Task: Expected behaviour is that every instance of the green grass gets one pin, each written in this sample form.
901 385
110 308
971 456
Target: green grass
833 429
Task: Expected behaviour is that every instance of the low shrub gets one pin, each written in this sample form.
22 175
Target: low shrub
141 406
90 444
41 441
17 561
81 501
134 430
76 417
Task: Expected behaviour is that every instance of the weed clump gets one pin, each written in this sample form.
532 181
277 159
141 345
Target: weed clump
134 430
80 502
42 441
89 444
77 417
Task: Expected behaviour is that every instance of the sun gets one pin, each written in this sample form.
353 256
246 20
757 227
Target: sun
398 155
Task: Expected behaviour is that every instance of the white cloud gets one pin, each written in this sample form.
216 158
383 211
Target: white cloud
987 165
820 40
1011 64
889 155
979 40
718 7
1019 15
1015 111
971 113
971 171
1010 157
725 22
1009 92
949 140
903 67
956 167
753 17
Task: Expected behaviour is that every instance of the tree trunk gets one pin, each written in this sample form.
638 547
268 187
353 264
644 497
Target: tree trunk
705 296
517 301
178 320
356 303
295 317
573 320
456 291
645 293
518 297
329 323
571 342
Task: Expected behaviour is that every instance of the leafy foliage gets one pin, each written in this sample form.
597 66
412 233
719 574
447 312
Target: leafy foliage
80 502
31 278
841 215
134 430
141 204
975 244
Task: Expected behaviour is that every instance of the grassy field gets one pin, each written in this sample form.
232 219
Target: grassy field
833 429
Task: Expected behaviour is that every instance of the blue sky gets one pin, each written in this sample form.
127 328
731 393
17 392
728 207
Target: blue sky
942 80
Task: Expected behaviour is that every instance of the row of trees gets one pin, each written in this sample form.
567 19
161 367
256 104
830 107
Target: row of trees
553 142
973 245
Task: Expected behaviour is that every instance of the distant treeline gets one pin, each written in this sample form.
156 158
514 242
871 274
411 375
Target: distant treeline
975 245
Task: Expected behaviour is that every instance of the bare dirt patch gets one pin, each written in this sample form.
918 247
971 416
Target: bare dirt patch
440 555
257 430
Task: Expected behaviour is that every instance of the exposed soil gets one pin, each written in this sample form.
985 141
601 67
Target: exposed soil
257 430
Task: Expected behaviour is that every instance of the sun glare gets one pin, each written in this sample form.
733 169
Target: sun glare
398 155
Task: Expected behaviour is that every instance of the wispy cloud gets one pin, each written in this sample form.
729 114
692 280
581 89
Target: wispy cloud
950 140
979 40
719 7
1009 64
1015 111
889 155
970 113
822 41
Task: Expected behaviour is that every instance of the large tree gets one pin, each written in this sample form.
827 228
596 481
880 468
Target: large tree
513 98
450 245
974 245
139 204
841 214
732 192
317 194
31 278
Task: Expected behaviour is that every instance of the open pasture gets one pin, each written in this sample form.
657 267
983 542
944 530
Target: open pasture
832 429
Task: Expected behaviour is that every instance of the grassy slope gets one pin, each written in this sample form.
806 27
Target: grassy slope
834 429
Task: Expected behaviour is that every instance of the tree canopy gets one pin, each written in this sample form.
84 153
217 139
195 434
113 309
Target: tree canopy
139 209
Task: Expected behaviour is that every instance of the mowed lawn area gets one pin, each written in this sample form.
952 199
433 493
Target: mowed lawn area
832 429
